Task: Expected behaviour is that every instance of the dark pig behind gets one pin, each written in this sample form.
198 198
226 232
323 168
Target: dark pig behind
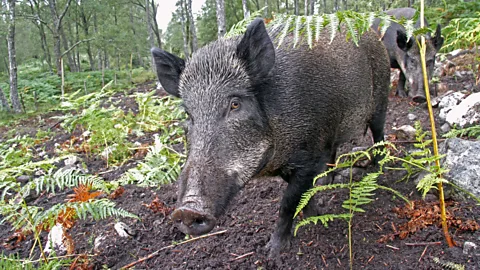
406 55
256 110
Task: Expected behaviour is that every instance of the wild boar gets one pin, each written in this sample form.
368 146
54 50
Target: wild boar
405 55
255 110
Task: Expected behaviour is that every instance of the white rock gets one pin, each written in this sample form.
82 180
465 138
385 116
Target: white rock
411 116
122 229
55 241
405 132
72 160
97 243
469 248
463 164
466 113
445 128
448 102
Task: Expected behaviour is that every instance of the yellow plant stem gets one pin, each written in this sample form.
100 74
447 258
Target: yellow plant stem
434 133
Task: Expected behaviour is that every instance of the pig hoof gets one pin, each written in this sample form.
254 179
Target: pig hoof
276 245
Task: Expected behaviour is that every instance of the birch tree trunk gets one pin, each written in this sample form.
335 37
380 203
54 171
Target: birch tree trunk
306 7
184 28
246 11
221 18
151 39
12 61
57 24
3 101
193 31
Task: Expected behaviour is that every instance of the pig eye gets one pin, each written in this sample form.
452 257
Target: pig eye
235 104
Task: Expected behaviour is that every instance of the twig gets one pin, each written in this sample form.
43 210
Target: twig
171 246
423 244
423 253
392 247
243 256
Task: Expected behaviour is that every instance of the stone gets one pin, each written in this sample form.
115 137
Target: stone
463 162
445 128
470 248
467 113
411 116
448 101
123 230
55 241
405 132
71 160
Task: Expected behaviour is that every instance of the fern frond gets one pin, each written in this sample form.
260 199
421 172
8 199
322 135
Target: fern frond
285 31
68 178
449 265
324 219
352 31
314 190
296 32
333 20
99 209
409 28
318 26
309 31
385 21
6 186
428 182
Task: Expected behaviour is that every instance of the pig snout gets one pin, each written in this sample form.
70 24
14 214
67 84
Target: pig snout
193 222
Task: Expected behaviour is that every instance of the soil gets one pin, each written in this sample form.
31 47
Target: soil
251 216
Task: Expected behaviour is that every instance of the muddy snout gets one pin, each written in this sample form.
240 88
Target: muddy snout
419 98
193 222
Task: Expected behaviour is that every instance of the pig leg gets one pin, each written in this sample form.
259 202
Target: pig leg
299 181
401 86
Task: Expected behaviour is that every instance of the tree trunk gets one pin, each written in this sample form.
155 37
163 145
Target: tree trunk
345 5
193 31
66 45
306 8
57 24
265 11
325 6
45 47
246 11
85 27
156 30
221 18
257 4
3 101
184 28
295 3
312 7
14 98
286 6
149 30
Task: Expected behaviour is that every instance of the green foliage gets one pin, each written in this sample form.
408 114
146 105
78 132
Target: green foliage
13 262
16 151
161 166
309 27
470 132
462 32
241 26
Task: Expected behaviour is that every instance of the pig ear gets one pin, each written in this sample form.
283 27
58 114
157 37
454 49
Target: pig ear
256 49
437 40
402 42
169 67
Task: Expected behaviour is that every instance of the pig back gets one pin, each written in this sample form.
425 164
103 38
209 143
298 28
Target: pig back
328 94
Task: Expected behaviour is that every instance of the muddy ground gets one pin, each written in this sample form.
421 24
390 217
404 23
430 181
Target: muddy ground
250 219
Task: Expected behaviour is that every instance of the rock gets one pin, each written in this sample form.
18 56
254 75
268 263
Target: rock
445 128
405 132
411 116
455 52
457 74
470 248
463 162
467 113
23 179
72 160
55 241
359 148
123 230
97 244
448 101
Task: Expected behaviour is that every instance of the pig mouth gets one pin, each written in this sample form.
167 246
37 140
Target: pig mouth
193 222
